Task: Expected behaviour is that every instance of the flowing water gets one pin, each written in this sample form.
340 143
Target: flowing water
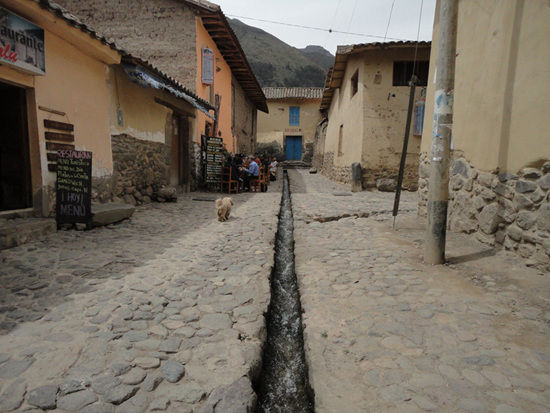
284 385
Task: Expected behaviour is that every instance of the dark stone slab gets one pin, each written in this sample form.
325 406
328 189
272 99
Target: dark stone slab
14 368
525 186
172 371
460 168
506 176
235 398
105 214
43 397
13 396
72 386
75 402
104 383
151 383
119 394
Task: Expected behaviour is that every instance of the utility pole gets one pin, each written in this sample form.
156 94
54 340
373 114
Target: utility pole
413 82
438 193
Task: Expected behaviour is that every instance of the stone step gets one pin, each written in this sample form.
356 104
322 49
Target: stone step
295 165
15 232
105 214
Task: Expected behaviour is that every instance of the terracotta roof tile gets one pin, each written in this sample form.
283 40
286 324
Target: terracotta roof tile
72 20
293 92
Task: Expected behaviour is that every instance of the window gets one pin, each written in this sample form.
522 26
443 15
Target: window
340 140
294 116
402 72
354 83
418 116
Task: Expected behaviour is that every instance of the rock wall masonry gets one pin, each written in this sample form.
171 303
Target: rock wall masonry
504 208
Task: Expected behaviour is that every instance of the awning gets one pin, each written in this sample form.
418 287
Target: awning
143 78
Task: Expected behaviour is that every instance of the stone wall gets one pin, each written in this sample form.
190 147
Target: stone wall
504 208
325 164
336 173
317 161
135 26
244 121
197 173
140 167
410 176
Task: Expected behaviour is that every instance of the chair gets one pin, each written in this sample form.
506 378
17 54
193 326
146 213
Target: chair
227 182
267 175
256 185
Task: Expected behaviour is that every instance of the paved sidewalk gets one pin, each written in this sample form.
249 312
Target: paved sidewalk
386 333
165 312
160 313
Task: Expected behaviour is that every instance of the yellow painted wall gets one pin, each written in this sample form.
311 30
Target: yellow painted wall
274 126
501 101
385 108
143 118
346 111
75 84
221 86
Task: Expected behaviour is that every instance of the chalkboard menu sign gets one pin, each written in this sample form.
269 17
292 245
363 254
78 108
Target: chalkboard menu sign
214 159
74 187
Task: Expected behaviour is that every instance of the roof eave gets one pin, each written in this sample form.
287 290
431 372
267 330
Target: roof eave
217 26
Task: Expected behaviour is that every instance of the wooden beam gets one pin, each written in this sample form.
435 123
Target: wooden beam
51 124
54 146
175 109
63 137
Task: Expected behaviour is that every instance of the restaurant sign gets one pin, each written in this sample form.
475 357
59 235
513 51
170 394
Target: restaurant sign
21 44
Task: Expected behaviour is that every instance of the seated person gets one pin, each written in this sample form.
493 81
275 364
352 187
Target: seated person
273 169
238 159
230 162
252 172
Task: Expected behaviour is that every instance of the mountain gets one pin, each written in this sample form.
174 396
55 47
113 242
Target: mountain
319 55
276 63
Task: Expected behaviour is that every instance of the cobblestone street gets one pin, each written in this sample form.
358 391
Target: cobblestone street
164 312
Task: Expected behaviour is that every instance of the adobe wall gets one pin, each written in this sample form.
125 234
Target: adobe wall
244 120
135 27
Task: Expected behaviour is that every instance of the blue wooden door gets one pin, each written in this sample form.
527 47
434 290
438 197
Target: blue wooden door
293 148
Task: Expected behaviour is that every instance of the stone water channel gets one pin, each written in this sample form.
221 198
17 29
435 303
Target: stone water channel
284 383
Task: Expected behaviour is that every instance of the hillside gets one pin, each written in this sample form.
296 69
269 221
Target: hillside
276 63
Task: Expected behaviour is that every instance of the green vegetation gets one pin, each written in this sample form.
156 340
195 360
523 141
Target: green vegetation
277 64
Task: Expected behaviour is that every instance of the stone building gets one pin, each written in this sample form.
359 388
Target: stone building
83 92
192 41
289 127
366 99
500 169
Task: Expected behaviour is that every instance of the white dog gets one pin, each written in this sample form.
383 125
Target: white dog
223 208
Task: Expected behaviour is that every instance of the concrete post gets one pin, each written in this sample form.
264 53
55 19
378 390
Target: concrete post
438 193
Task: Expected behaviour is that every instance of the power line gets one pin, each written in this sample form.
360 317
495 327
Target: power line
350 20
418 34
315 28
332 24
389 20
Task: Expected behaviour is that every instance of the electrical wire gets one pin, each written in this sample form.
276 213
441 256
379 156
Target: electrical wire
332 24
417 35
389 20
350 20
315 28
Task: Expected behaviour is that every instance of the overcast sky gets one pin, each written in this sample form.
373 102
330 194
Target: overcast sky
365 17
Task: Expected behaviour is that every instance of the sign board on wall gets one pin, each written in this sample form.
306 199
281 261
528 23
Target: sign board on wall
207 66
74 187
214 159
21 44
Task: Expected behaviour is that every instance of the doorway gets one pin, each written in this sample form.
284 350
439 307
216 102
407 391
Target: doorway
180 172
15 171
293 148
